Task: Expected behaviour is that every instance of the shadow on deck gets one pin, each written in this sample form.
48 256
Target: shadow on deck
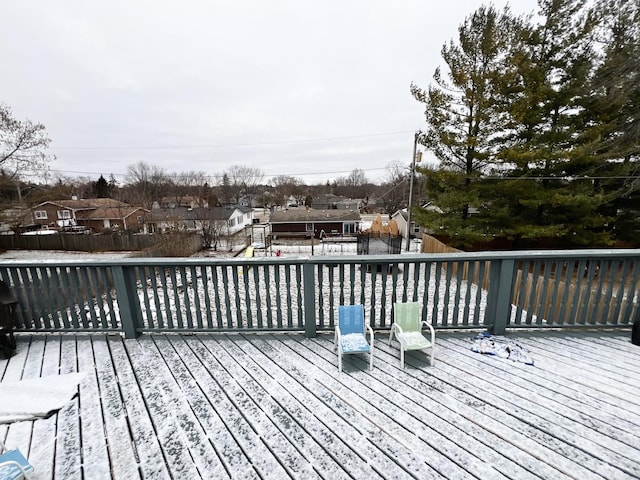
275 406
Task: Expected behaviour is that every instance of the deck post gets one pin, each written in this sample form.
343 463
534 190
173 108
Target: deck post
309 291
499 295
128 301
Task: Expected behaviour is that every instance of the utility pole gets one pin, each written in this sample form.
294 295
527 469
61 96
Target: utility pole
412 173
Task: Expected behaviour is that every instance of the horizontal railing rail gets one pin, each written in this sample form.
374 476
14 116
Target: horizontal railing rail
492 290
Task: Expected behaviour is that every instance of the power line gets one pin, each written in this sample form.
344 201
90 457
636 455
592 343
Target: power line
229 145
210 176
567 177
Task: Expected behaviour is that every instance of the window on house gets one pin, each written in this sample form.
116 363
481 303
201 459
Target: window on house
309 227
40 214
416 228
64 214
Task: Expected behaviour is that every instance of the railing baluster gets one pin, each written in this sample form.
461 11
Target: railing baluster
620 295
206 295
288 286
278 273
267 287
195 273
146 273
309 299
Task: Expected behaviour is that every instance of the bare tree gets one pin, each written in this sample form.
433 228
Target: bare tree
22 147
147 182
213 226
395 193
244 180
355 185
285 186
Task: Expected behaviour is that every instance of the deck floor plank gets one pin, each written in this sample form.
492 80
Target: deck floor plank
151 459
275 406
172 423
43 444
94 448
116 447
28 367
68 440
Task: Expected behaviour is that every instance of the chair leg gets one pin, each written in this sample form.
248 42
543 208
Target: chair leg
371 360
401 357
390 335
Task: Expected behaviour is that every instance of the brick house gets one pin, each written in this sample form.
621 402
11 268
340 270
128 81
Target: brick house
94 213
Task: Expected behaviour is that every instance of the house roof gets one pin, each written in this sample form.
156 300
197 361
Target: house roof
85 203
401 213
185 213
183 199
298 215
109 213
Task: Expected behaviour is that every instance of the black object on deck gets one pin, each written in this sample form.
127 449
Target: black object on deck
8 304
635 332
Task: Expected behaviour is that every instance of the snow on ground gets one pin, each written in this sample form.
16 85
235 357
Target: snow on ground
30 255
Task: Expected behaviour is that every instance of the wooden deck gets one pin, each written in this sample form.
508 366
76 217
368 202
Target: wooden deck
275 406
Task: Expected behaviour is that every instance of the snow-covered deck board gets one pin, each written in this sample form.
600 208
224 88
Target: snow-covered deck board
275 406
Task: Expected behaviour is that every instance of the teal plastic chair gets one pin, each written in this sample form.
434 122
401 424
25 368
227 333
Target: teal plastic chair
351 333
14 465
407 328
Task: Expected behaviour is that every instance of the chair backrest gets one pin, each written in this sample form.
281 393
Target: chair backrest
408 316
351 319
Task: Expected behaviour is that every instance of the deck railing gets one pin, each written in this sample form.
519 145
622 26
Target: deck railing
497 290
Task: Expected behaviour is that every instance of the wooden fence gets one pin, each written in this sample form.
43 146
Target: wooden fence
554 289
81 243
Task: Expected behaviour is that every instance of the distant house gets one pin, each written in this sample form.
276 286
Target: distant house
188 201
71 214
336 202
14 217
112 218
401 217
228 220
308 223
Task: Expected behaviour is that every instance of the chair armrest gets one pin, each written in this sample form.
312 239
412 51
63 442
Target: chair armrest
431 329
370 330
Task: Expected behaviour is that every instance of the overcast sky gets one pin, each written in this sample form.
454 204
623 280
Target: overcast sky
311 89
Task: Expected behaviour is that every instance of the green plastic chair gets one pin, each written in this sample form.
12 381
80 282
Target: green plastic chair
14 465
407 328
350 336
